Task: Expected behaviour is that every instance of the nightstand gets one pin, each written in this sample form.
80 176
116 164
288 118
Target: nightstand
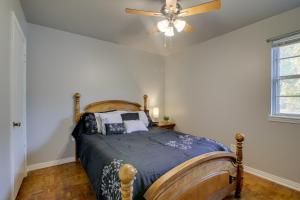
166 125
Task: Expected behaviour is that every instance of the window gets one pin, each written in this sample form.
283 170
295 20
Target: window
286 77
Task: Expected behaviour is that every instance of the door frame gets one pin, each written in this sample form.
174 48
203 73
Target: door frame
15 26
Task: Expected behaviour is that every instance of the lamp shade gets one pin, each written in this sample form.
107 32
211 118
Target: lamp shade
163 25
155 112
179 25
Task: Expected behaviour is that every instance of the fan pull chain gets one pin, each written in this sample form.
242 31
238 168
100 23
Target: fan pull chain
167 42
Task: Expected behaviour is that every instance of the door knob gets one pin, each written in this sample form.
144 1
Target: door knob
16 124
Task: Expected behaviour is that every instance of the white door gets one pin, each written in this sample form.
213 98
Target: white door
18 105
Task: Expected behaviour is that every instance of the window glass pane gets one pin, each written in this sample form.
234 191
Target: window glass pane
289 66
289 105
290 87
289 50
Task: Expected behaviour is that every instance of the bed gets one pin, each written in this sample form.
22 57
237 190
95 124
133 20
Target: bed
156 165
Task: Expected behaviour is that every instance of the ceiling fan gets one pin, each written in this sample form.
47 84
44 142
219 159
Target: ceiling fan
173 14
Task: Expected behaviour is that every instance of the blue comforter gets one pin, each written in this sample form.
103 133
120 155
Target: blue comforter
152 153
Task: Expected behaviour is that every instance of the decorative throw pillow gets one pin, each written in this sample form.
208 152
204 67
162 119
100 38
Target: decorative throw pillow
90 124
130 116
112 129
139 115
134 125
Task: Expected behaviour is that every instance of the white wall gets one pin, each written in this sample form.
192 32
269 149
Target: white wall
6 6
222 86
60 64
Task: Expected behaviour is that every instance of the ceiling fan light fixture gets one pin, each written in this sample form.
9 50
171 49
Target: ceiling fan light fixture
173 13
179 25
163 25
169 32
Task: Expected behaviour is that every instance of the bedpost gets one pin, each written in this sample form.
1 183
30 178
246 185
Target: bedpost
146 102
239 164
127 175
76 107
76 117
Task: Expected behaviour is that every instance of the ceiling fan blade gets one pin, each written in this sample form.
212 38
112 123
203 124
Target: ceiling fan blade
202 8
171 5
142 12
189 28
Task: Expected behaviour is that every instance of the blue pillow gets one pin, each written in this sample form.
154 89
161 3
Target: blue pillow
90 124
130 116
116 128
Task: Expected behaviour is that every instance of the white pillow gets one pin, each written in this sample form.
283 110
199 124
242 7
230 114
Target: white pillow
135 125
144 118
108 118
98 120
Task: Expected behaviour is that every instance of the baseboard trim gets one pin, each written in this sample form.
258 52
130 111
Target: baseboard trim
265 175
50 163
276 179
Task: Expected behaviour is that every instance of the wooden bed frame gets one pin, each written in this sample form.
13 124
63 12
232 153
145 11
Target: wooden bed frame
210 176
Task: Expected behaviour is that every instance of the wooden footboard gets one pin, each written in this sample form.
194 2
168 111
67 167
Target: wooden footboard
210 176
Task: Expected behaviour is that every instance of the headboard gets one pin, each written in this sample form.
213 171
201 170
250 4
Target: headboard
103 106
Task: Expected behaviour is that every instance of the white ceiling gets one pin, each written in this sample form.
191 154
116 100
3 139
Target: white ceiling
106 19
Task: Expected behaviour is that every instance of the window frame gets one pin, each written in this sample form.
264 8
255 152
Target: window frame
275 114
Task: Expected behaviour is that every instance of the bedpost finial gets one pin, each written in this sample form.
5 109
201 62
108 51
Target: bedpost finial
77 95
240 137
127 175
